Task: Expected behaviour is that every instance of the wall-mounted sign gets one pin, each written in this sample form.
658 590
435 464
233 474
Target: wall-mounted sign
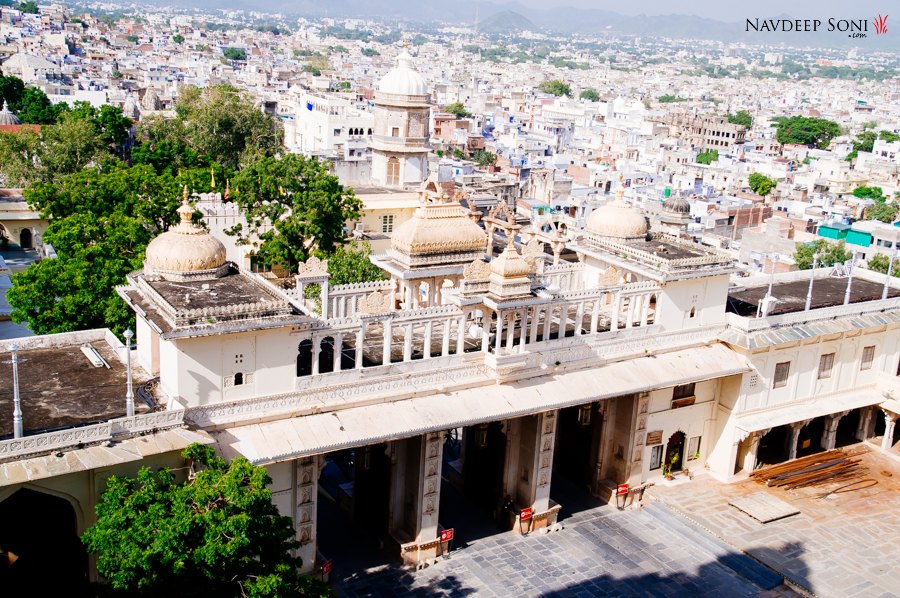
654 438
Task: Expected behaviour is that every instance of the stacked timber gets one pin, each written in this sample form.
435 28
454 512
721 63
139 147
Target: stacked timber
814 470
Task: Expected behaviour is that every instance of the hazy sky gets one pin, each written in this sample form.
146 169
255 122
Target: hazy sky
727 10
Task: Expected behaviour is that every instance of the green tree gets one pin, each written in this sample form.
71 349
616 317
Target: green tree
802 130
219 124
761 184
484 158
132 38
879 263
707 157
458 109
459 154
35 108
556 87
300 199
235 53
866 192
741 117
863 143
217 534
590 94
11 91
350 263
29 7
670 99
178 38
370 52
883 211
829 254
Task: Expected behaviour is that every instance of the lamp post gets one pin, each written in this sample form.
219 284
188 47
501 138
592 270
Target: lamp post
129 394
18 431
887 276
811 279
849 279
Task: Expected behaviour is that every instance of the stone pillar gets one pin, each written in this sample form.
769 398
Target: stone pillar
316 348
645 309
461 335
324 298
387 341
485 333
753 450
579 318
614 316
595 315
416 489
544 460
795 436
445 337
407 295
511 332
548 321
407 342
829 435
360 340
529 465
426 348
498 339
866 422
523 330
563 319
534 324
890 421
307 490
629 319
338 346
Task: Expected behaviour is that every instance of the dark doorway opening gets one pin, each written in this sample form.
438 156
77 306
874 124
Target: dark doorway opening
25 239
847 428
41 531
483 465
810 440
773 447
674 458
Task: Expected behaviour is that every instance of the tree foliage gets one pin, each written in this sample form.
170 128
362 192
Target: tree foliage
802 130
880 263
556 87
707 157
484 158
828 254
295 206
761 184
217 534
670 99
457 109
590 94
866 192
235 53
883 211
350 264
741 117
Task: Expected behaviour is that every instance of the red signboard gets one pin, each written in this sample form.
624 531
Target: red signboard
446 534
526 513
326 567
621 489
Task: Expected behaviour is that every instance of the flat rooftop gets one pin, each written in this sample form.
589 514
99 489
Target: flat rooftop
232 289
59 388
667 250
791 295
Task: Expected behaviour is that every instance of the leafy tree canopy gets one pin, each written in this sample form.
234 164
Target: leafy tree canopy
884 211
670 99
306 203
350 264
556 87
707 157
802 130
880 263
590 94
178 38
458 109
217 534
829 254
866 192
484 158
235 53
761 184
741 117
29 7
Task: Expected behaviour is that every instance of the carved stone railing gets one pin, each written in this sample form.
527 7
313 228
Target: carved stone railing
746 324
69 438
711 258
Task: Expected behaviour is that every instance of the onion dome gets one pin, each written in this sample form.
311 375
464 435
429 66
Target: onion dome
677 205
438 228
7 117
186 251
403 79
617 220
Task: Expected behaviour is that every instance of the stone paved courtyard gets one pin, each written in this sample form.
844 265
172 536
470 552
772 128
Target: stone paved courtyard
601 552
842 545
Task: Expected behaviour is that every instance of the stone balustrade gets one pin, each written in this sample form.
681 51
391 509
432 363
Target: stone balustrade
745 324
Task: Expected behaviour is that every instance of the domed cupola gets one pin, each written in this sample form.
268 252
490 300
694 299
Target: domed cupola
7 117
440 232
186 251
617 220
403 79
677 205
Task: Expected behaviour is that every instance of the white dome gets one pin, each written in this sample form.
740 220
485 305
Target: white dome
403 79
185 251
7 117
617 220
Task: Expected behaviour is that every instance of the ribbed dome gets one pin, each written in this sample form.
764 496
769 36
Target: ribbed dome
677 205
617 220
185 249
438 228
403 79
7 117
510 264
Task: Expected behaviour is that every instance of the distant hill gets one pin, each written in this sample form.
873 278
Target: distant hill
506 21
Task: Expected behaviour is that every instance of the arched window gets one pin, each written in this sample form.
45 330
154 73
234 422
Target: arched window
304 358
238 379
326 355
393 171
370 132
693 312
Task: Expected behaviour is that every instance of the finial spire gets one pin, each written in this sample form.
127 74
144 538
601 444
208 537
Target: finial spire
212 178
185 194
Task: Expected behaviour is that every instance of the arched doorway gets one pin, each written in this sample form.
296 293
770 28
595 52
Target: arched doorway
810 439
847 429
25 240
773 447
326 355
675 452
40 534
304 358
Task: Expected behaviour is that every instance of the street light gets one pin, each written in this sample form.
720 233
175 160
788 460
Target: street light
811 279
887 276
129 394
18 431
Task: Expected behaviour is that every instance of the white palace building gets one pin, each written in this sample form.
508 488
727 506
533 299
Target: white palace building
498 372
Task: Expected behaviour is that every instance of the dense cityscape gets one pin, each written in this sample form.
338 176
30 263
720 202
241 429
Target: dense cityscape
492 302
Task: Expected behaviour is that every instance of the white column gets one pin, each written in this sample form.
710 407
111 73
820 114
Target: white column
829 434
511 332
407 342
645 309
407 295
461 335
324 298
523 332
890 421
387 341
316 341
306 492
432 453
360 339
534 324
795 436
563 319
629 319
595 315
543 465
426 350
498 338
548 320
338 345
614 316
485 332
579 318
